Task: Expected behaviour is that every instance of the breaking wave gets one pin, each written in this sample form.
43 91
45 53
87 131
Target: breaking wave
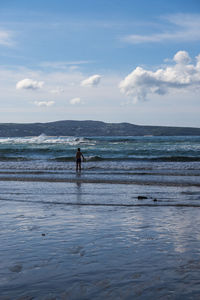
63 149
44 139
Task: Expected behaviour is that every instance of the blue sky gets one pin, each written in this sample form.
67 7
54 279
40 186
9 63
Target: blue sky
115 61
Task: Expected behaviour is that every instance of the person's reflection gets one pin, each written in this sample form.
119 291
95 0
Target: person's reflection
78 188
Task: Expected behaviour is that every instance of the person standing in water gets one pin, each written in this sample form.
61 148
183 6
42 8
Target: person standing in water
79 154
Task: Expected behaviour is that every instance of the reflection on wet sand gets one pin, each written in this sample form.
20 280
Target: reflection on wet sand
92 241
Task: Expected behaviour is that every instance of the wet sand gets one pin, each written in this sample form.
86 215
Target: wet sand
78 240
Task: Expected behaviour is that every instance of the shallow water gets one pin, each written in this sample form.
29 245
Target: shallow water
149 160
56 244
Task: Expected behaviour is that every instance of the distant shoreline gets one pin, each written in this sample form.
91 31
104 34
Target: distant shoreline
92 128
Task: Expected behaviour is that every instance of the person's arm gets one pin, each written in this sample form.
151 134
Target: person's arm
82 156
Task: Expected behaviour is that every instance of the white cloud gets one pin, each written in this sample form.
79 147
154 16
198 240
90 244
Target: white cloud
91 81
57 91
140 82
5 38
44 103
182 57
29 84
76 100
186 27
72 68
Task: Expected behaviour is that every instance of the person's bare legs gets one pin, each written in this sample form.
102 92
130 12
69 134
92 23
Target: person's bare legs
78 166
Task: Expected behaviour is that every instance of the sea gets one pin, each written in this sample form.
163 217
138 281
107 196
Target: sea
149 159
125 227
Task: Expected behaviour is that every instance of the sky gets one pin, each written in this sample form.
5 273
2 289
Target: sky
135 61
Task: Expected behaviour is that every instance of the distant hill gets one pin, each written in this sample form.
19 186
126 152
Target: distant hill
91 128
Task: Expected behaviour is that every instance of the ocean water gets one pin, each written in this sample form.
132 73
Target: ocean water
164 160
126 227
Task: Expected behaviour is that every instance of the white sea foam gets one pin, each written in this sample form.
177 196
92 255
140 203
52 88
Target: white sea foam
44 139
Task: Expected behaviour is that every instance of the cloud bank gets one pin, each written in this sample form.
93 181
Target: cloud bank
91 81
29 84
182 75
